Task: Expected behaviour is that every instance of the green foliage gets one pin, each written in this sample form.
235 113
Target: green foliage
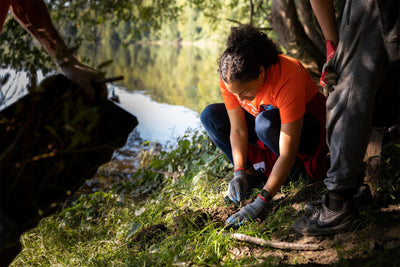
389 180
82 22
81 124
236 11
160 215
20 52
85 23
193 152
87 209
137 17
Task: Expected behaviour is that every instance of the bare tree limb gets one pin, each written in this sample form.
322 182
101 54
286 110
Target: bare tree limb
310 26
218 18
251 8
275 244
290 32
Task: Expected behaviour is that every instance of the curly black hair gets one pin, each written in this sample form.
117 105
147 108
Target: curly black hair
247 50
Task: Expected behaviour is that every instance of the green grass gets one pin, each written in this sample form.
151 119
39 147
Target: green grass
160 215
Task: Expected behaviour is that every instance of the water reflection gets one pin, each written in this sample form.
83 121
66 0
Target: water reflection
166 87
161 123
184 76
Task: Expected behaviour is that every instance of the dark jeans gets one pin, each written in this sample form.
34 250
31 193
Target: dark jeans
265 127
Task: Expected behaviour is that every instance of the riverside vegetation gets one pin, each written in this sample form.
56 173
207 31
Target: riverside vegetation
164 206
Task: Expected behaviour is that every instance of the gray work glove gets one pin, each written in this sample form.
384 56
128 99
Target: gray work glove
328 76
237 187
331 80
247 213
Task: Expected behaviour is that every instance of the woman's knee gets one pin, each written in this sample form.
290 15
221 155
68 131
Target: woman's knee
207 113
268 125
213 114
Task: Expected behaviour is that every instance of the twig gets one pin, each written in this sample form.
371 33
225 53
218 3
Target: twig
109 80
275 244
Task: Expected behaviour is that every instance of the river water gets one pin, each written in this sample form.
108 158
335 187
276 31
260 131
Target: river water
165 86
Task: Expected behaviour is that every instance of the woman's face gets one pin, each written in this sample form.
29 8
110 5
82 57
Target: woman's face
247 90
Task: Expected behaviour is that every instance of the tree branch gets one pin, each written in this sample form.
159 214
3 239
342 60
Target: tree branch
251 8
275 244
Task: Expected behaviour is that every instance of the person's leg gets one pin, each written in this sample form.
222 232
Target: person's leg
268 126
215 121
362 64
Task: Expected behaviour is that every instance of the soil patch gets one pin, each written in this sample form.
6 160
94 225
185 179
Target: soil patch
148 236
374 239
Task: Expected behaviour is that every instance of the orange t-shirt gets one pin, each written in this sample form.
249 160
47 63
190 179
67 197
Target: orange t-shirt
288 86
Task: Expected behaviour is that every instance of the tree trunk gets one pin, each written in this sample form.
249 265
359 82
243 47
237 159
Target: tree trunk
291 34
310 24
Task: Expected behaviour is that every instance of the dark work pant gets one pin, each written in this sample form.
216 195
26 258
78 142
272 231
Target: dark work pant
364 63
265 127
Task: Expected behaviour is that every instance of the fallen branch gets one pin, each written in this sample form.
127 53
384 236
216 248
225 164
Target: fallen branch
275 244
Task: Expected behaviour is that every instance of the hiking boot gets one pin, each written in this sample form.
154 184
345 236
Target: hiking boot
362 199
313 205
323 221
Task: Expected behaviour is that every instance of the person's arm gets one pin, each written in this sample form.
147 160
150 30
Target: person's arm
237 187
238 136
289 141
325 13
34 17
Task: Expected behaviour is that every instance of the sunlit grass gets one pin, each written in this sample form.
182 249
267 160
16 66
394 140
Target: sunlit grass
159 216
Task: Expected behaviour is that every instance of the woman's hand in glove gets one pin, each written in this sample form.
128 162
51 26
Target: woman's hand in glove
237 187
247 213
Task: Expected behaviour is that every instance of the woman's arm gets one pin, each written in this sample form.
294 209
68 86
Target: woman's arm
238 136
288 145
289 141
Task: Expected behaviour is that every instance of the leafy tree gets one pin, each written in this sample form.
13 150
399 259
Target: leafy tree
290 22
80 21
297 30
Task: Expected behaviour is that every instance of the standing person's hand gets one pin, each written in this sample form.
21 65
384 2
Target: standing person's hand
85 77
237 187
328 77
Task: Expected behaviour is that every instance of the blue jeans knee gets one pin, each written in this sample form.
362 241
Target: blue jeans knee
268 127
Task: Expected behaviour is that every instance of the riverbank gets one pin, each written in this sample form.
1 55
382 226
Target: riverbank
166 208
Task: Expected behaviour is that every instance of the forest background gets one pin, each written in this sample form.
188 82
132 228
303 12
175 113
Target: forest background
121 22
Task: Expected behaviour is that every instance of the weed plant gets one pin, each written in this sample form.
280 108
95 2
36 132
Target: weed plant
160 215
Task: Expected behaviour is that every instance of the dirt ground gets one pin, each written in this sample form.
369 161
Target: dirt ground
375 237
359 247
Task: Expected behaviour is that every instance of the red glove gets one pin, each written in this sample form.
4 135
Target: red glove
330 52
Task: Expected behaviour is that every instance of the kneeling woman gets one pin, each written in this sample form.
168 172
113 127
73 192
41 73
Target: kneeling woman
272 100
